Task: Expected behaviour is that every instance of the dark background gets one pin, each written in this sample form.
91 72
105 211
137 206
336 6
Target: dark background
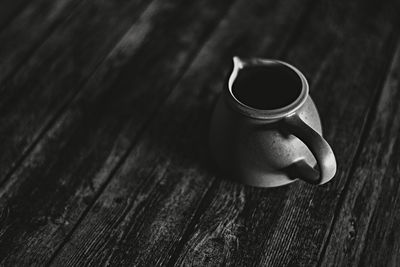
104 111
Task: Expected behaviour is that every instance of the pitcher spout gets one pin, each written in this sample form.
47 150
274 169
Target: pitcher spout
238 62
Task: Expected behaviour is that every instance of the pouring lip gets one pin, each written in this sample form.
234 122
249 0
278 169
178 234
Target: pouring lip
264 114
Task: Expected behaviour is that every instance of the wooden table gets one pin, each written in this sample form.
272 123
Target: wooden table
104 111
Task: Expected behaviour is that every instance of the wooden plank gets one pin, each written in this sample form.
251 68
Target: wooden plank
287 226
51 190
28 30
35 95
366 232
164 179
146 210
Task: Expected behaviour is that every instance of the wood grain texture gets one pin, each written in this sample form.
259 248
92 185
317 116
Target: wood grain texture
28 30
53 187
144 214
35 95
104 110
288 226
367 230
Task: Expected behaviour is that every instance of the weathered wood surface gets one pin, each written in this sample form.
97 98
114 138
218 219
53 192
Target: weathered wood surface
103 121
367 226
29 29
39 215
47 81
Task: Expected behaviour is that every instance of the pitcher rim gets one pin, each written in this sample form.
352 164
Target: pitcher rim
265 114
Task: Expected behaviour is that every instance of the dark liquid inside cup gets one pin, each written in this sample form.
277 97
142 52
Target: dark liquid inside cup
267 87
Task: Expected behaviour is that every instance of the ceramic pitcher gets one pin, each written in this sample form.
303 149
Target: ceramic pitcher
265 129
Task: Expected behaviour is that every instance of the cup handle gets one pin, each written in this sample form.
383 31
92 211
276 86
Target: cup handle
320 149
